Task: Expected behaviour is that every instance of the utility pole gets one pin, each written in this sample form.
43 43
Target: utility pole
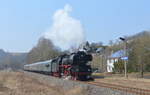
125 50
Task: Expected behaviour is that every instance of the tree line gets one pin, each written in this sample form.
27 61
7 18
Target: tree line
138 49
44 50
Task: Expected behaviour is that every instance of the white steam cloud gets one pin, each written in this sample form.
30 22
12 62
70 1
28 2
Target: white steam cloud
66 32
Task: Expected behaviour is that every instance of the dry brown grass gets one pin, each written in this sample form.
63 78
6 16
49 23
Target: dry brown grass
76 91
17 83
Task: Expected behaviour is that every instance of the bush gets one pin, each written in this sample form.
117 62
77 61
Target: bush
119 66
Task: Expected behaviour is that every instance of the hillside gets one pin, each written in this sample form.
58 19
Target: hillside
11 60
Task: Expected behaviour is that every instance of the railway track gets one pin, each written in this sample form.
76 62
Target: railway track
127 89
136 91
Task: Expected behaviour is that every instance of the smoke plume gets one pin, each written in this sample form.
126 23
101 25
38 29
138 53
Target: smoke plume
66 32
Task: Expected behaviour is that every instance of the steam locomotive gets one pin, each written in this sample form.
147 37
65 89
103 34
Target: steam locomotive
74 66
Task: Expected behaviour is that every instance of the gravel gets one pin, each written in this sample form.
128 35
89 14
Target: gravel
75 88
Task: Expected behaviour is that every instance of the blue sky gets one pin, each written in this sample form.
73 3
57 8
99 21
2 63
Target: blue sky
22 22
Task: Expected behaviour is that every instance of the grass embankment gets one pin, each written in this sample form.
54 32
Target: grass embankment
17 83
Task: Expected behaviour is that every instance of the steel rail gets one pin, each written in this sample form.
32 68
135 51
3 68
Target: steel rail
138 91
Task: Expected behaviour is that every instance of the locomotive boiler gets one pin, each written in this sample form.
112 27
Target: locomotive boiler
75 66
